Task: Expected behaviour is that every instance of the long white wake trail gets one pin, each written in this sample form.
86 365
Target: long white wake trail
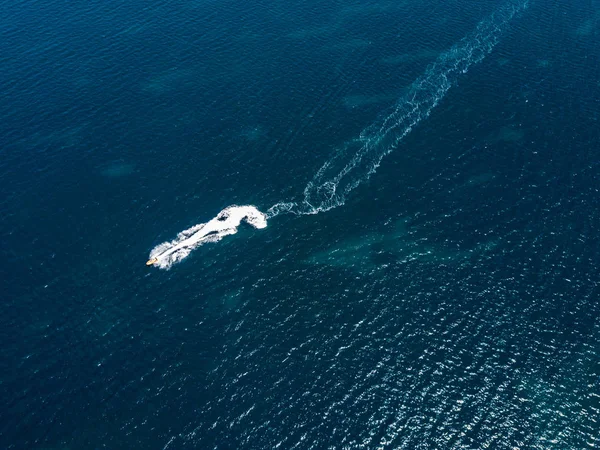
361 157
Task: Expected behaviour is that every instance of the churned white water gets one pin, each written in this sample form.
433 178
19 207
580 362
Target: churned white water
224 224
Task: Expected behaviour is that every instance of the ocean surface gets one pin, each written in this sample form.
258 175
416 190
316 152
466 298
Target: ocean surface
428 278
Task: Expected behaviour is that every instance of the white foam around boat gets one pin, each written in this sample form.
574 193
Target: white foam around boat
224 224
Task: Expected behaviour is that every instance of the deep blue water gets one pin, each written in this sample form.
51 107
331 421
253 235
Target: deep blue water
451 302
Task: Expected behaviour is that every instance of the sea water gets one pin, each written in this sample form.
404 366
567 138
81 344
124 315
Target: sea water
428 175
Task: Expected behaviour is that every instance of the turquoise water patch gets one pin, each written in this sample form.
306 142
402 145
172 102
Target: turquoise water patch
117 169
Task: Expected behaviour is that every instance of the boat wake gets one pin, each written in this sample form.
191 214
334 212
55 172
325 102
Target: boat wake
225 223
361 157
